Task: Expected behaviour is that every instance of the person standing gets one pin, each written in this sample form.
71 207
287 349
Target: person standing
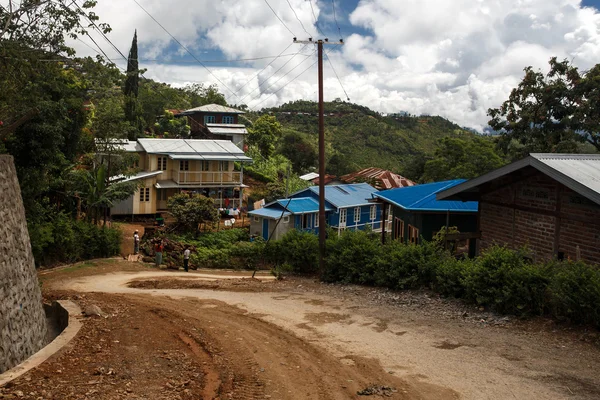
136 242
186 258
158 250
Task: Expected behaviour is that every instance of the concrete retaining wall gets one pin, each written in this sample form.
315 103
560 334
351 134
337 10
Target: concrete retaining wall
22 318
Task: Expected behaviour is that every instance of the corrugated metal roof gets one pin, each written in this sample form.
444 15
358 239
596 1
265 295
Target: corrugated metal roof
423 198
212 108
166 184
194 149
301 205
269 213
310 176
351 195
579 172
227 130
382 179
139 175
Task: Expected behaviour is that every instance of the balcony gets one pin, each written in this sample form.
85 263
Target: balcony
206 178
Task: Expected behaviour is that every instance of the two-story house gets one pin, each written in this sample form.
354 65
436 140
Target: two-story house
346 207
169 166
213 121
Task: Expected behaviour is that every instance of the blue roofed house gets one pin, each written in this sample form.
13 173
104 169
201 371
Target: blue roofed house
416 213
346 207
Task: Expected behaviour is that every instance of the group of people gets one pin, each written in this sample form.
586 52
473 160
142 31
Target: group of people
159 248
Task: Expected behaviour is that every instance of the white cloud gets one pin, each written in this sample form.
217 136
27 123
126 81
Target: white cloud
455 58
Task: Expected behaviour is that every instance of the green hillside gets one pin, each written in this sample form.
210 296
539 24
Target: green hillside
358 137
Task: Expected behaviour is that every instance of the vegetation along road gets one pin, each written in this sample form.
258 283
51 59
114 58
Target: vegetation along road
171 335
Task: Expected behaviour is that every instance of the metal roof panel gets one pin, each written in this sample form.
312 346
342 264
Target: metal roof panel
423 198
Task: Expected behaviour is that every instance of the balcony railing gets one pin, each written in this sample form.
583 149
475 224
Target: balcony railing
206 177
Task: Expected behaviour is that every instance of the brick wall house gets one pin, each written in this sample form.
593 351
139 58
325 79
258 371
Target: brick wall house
548 202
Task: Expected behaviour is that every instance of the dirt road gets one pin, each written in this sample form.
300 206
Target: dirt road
300 339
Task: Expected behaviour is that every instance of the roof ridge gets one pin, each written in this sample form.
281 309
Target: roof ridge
448 183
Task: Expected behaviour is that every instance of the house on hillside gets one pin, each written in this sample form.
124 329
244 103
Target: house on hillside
169 166
214 121
346 207
417 214
377 177
548 202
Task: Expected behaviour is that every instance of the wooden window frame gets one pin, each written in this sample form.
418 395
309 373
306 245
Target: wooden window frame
344 214
204 165
399 229
373 213
184 165
413 234
286 219
316 224
357 212
256 219
162 163
227 118
144 195
209 119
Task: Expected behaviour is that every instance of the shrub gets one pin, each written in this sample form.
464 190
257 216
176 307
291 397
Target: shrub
405 266
351 258
300 250
503 279
575 292
450 276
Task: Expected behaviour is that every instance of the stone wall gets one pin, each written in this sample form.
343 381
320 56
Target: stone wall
22 319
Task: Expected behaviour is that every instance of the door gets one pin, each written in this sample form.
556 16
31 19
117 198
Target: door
266 228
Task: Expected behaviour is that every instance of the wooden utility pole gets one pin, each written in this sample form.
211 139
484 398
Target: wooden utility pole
322 226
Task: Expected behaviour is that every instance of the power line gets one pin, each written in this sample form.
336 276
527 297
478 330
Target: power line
280 20
185 48
260 84
336 75
296 77
336 21
258 73
315 17
294 11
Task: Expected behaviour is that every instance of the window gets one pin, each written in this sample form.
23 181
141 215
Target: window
204 165
373 213
343 217
357 214
184 165
227 119
399 229
162 194
162 163
209 119
413 234
223 165
256 219
316 220
145 194
389 214
306 221
286 219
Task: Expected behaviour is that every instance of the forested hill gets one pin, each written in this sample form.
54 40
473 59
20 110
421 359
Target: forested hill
358 137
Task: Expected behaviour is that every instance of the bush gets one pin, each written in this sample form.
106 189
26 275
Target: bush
575 292
64 240
406 266
451 275
505 280
351 258
300 250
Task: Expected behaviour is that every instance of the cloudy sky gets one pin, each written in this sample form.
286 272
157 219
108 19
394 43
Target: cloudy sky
454 58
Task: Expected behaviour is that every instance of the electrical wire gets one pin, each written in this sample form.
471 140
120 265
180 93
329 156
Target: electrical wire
258 73
280 20
335 19
260 84
296 77
185 48
336 75
315 17
294 11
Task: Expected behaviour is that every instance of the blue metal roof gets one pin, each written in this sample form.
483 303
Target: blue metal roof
272 213
422 198
350 195
301 205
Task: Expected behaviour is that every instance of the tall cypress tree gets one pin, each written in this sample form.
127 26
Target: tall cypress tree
131 89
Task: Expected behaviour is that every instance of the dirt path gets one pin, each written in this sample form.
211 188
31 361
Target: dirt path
297 339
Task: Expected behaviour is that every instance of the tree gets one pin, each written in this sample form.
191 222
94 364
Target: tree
169 126
264 134
550 113
200 95
131 90
300 150
462 158
191 211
